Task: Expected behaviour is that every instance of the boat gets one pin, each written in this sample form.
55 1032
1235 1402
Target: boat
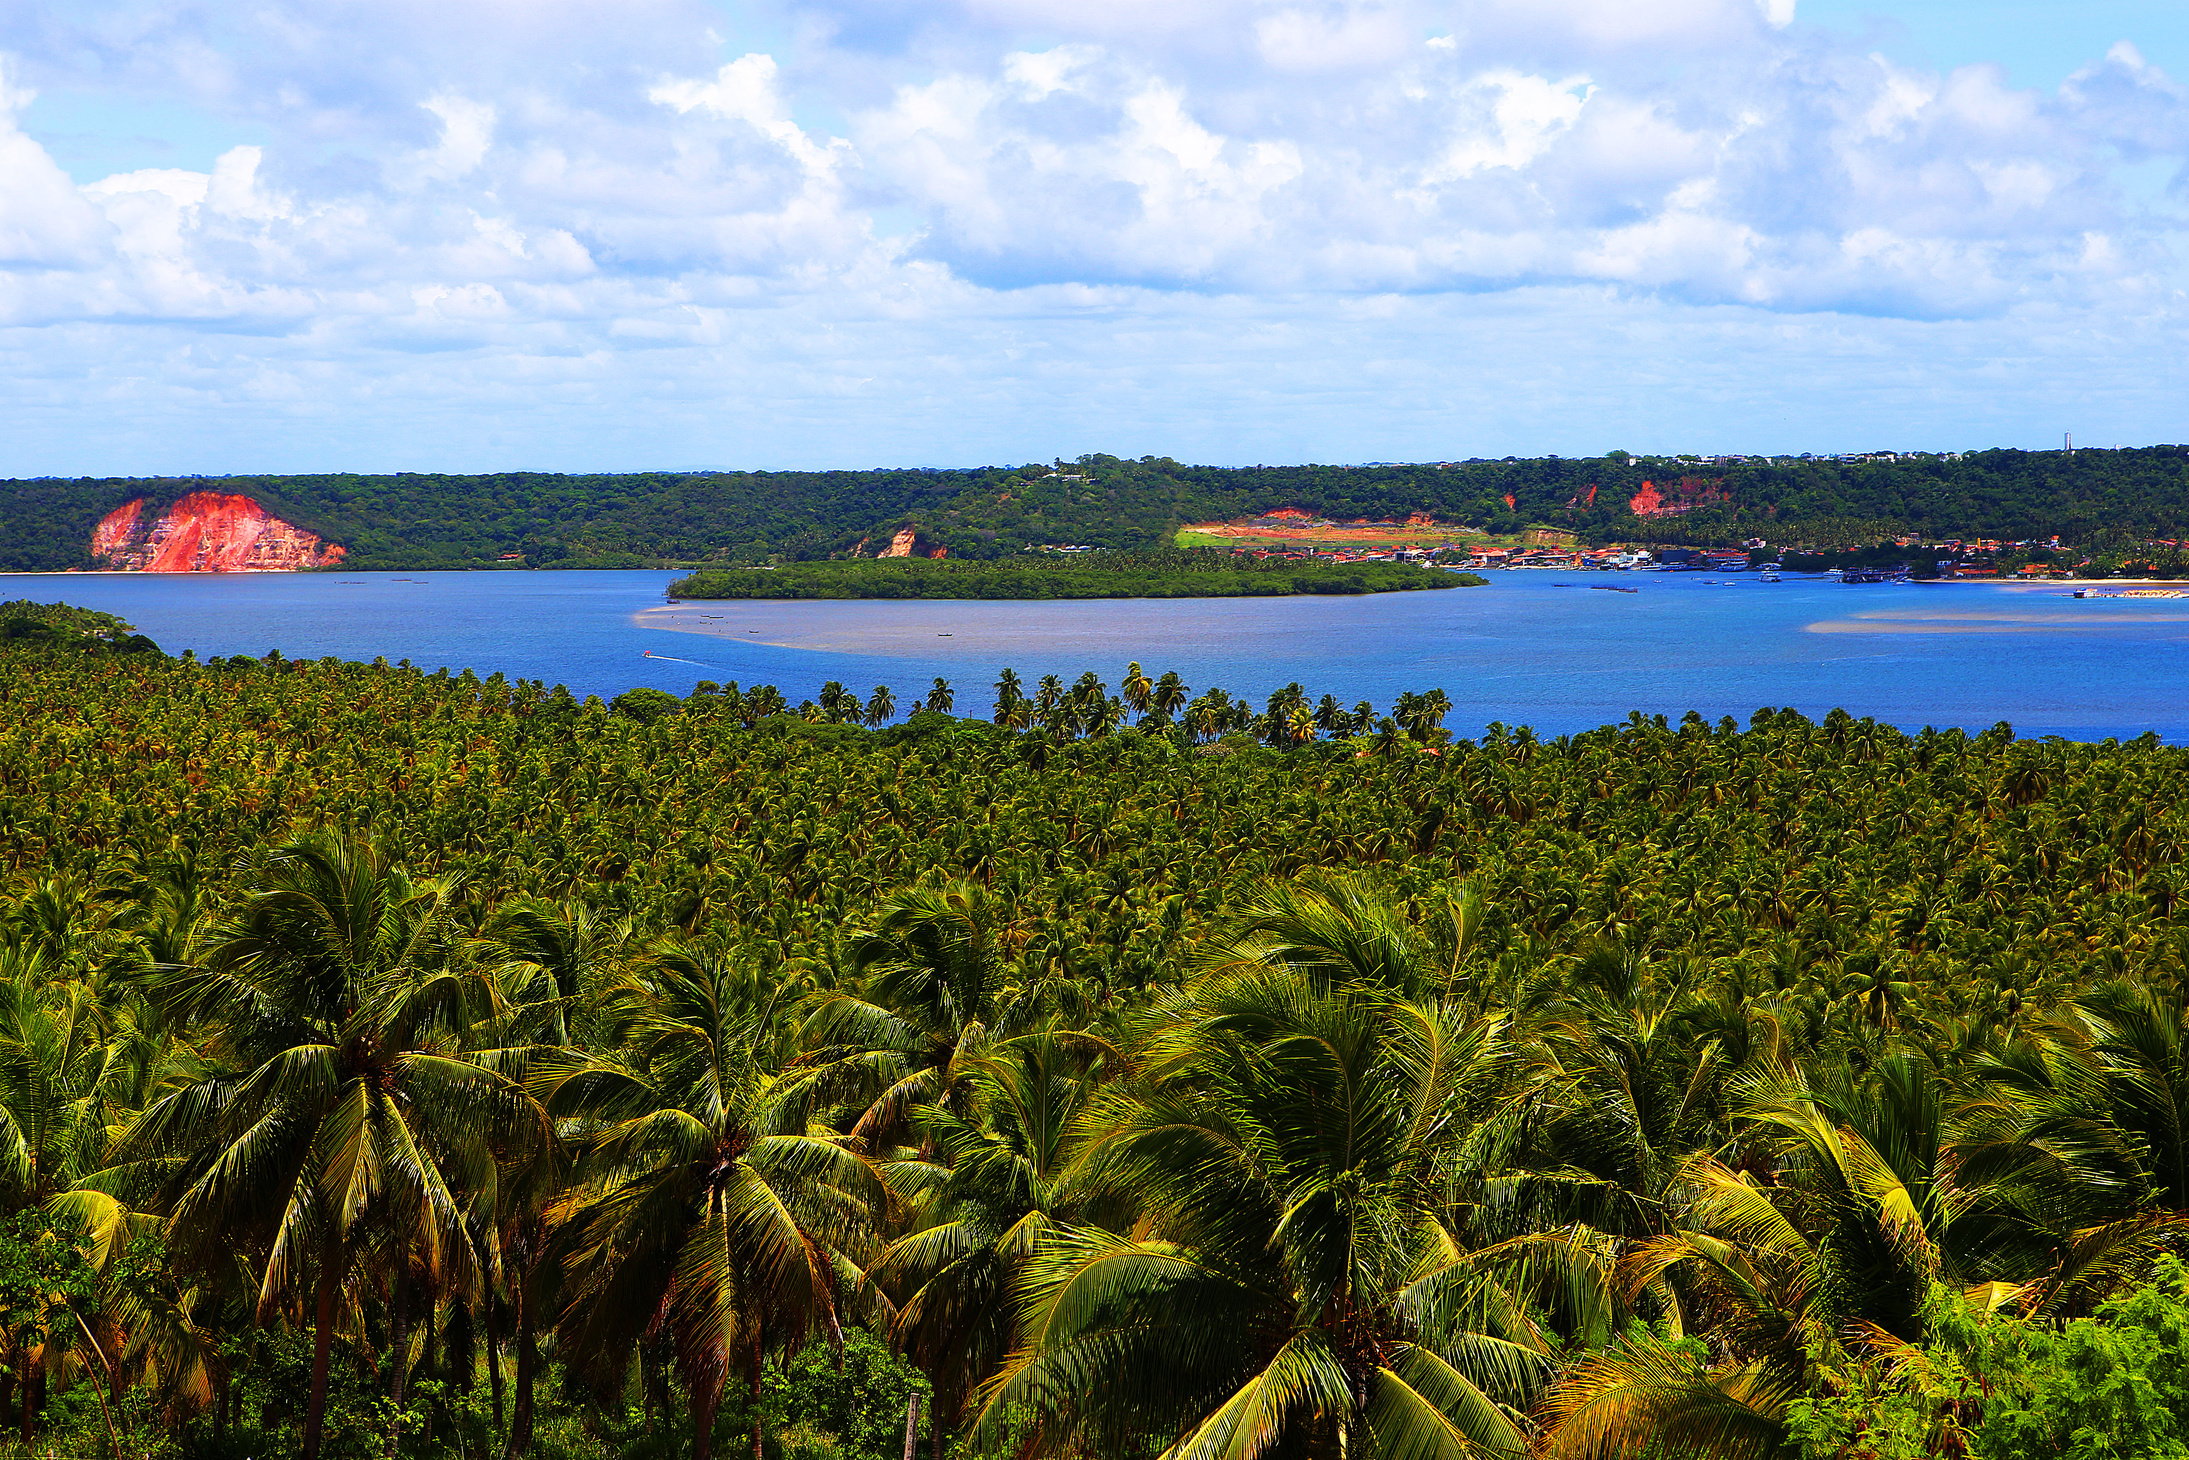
1611 588
1873 575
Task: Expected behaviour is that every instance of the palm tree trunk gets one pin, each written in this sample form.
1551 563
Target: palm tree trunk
399 1341
398 1359
912 1426
706 1399
528 1362
315 1407
758 1434
494 1355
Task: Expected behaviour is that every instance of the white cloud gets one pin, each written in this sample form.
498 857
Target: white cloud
1526 114
551 180
467 132
44 222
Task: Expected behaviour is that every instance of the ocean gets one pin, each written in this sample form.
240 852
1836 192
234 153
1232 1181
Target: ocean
1552 650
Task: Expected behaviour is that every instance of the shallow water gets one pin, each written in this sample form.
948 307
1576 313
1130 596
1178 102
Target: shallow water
1550 650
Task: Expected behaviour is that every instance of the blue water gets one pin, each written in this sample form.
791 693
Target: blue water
1550 650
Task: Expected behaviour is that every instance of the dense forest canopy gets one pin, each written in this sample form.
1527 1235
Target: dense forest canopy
406 1065
538 519
1176 573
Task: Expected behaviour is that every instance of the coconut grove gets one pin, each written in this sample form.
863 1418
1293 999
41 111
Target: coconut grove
398 1064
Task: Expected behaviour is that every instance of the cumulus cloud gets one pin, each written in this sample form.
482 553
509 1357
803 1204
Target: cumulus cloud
556 179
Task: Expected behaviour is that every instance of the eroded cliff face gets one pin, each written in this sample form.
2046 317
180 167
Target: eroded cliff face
207 532
909 544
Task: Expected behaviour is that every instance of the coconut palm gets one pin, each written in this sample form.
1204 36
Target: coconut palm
1010 694
712 1208
995 1182
1337 928
1167 698
1880 1192
936 974
1136 689
2140 1040
1302 1279
346 1121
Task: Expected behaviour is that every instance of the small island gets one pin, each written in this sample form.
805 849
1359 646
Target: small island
1182 573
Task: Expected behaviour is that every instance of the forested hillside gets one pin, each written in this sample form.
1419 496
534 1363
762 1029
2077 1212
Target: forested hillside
398 1065
543 520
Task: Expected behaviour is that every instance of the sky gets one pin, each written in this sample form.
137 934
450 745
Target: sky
594 235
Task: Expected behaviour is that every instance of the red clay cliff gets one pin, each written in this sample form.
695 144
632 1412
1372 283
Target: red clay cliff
207 532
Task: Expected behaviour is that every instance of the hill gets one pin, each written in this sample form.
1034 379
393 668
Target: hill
536 519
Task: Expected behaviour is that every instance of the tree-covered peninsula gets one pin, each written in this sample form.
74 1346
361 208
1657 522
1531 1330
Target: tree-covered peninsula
1179 573
413 1065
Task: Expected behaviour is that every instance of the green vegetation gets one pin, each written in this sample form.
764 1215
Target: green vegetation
1179 573
406 1065
62 626
2108 501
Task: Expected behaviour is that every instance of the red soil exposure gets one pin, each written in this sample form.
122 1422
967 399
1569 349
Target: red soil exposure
1687 494
116 530
208 532
1510 504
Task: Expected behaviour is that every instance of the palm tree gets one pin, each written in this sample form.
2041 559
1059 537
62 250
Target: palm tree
1421 715
1136 689
762 701
1339 928
995 1183
76 1063
1301 1279
1167 698
881 707
2140 1041
1051 709
1871 1195
939 699
561 953
1205 717
937 974
713 1208
1010 695
347 1121
1641 1071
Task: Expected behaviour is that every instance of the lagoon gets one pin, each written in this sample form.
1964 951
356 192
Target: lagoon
1551 650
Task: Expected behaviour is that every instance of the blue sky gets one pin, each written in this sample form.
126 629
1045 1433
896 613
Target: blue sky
2037 42
278 235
